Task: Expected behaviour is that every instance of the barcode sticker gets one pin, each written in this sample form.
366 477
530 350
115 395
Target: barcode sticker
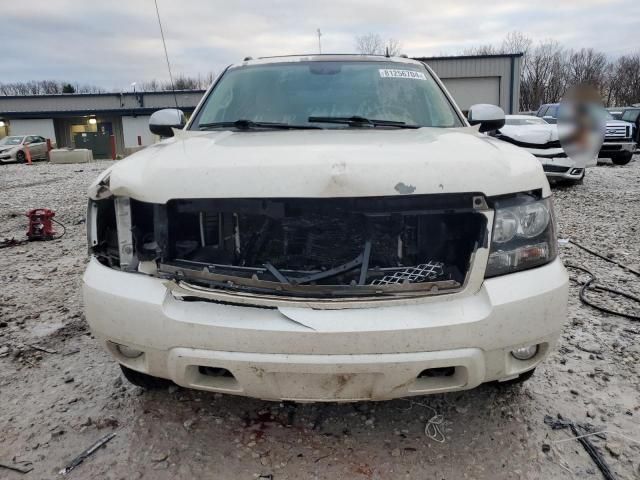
395 73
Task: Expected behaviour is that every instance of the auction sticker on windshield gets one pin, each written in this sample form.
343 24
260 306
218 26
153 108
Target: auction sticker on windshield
395 73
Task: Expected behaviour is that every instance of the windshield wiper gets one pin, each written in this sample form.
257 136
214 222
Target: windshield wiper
250 124
357 121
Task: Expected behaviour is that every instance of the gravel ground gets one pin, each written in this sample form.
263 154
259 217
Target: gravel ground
59 392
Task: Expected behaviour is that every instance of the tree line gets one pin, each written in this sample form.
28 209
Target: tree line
46 87
49 87
548 70
181 82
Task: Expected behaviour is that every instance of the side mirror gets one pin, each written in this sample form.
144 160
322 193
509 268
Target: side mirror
162 121
488 116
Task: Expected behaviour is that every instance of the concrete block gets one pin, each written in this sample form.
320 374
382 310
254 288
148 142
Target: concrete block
63 155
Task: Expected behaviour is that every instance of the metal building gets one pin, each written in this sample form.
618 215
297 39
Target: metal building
69 119
470 79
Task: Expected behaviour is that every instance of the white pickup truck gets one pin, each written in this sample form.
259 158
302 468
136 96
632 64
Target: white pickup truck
618 145
325 228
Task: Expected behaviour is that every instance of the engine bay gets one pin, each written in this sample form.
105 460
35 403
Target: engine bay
303 246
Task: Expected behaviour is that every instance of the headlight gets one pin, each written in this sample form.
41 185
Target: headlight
523 235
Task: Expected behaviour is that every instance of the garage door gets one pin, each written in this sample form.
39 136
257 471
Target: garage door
468 91
42 127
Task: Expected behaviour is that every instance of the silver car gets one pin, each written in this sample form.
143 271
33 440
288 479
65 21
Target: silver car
12 148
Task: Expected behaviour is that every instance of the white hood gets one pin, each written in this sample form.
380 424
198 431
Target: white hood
325 163
538 134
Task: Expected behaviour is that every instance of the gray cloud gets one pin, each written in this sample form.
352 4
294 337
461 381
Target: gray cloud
112 44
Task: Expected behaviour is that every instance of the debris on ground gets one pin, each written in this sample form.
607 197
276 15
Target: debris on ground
23 467
580 432
86 453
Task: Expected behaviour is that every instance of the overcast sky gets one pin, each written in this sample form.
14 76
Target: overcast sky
117 42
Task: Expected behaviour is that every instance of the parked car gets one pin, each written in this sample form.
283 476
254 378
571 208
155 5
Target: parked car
632 116
12 148
548 112
325 228
615 112
541 140
618 143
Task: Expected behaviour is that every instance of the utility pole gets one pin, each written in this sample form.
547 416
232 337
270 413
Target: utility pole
319 42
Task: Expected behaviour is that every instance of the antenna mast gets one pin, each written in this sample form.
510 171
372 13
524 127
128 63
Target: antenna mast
166 55
319 42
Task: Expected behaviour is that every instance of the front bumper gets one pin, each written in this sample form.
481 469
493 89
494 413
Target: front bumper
7 157
608 148
561 168
303 354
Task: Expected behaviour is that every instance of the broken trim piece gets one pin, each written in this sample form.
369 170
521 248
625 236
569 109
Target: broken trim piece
182 290
307 292
128 259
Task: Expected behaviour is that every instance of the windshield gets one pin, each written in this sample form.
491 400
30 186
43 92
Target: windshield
11 141
291 93
525 121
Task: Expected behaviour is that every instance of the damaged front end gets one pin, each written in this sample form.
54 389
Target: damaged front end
302 249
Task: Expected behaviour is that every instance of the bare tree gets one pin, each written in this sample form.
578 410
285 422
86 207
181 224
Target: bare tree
586 66
481 50
369 44
393 47
544 76
516 42
181 82
372 44
625 80
151 86
45 87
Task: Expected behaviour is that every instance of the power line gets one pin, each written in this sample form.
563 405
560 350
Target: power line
166 55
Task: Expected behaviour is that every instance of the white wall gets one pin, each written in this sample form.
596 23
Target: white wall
134 126
39 126
469 91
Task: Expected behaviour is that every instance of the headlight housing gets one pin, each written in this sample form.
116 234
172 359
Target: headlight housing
523 235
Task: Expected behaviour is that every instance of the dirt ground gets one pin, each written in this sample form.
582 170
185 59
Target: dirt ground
60 392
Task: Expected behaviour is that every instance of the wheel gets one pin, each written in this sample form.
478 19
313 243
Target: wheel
622 158
523 377
143 380
21 157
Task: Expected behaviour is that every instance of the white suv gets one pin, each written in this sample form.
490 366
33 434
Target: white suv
325 228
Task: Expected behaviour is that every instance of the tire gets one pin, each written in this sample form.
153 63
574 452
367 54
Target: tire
622 158
21 157
523 377
145 381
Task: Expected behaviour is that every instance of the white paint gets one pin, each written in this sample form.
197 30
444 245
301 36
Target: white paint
301 163
134 126
378 351
36 126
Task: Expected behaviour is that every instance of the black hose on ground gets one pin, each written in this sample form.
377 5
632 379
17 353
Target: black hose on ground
11 242
607 259
591 284
64 229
